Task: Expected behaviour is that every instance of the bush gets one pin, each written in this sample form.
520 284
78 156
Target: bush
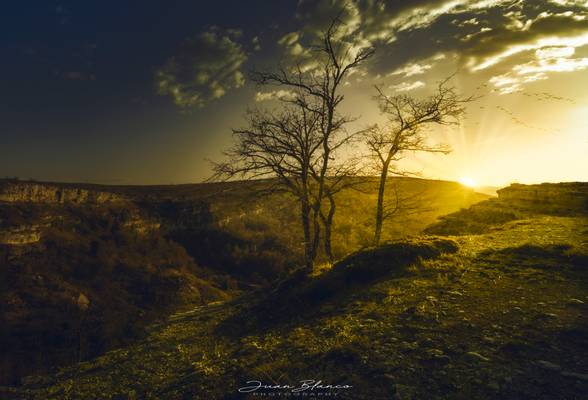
300 293
477 219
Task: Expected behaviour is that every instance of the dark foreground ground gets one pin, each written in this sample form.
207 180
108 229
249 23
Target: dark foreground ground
498 315
84 269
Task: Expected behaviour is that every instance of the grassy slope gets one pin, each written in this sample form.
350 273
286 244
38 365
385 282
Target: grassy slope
502 318
256 239
130 279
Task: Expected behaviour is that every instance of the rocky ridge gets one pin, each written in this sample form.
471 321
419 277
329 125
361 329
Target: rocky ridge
11 191
562 198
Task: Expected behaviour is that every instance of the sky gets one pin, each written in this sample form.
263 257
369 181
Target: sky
146 92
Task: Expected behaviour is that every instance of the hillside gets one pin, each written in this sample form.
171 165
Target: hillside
233 229
499 314
84 268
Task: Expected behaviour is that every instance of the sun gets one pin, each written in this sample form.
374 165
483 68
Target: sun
467 181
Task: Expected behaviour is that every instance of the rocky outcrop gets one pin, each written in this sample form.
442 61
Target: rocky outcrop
140 224
52 193
560 198
20 235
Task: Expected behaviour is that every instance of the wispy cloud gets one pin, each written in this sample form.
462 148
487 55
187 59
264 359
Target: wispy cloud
407 86
273 95
205 68
412 69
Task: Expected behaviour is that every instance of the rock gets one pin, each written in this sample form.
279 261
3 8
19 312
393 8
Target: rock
83 302
548 365
475 357
21 235
409 345
582 377
435 352
404 392
54 193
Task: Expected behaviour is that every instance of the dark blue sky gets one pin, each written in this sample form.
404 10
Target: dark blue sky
77 97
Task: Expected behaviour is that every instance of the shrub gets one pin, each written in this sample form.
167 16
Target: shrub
300 294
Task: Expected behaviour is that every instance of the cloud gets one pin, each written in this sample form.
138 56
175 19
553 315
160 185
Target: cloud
548 59
256 44
274 95
562 64
407 86
291 42
205 68
546 29
524 41
412 69
518 42
555 52
317 15
298 47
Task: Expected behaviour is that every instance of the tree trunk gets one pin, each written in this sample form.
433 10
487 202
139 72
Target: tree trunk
305 215
316 234
380 205
328 222
322 175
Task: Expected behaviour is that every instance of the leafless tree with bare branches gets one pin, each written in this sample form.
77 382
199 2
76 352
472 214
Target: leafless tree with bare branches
405 132
297 145
282 145
336 60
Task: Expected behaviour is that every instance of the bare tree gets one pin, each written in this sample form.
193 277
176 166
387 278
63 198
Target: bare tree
336 60
280 145
296 144
404 132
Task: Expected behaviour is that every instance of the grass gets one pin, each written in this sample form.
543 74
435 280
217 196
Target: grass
499 314
197 242
479 218
458 325
302 295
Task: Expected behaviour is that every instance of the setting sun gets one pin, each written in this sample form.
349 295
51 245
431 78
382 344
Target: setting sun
467 181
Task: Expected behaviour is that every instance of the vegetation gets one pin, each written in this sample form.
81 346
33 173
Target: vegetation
92 282
405 131
480 218
164 247
296 144
498 315
261 235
